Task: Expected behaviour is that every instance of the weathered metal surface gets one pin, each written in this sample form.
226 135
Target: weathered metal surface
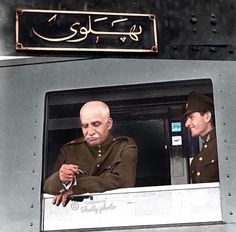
22 94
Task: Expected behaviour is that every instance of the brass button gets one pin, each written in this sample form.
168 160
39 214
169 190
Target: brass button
205 145
200 158
99 151
99 155
212 161
98 165
198 173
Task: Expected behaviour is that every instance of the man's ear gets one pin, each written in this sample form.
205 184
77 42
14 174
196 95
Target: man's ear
208 116
109 123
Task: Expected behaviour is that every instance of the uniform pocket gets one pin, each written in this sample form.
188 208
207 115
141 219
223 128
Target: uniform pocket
111 166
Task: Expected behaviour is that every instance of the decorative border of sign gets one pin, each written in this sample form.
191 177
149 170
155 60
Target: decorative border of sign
59 30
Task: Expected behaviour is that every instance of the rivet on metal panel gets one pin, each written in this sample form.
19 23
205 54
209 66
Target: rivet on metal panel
32 206
222 107
228 176
19 11
213 21
194 30
154 48
32 188
31 224
36 105
224 123
229 194
35 137
35 121
214 30
193 19
37 90
225 140
226 158
33 171
19 45
152 17
231 213
34 154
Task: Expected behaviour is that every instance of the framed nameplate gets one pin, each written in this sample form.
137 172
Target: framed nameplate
58 30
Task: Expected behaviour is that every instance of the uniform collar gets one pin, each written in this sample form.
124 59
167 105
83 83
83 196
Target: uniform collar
107 142
104 145
211 135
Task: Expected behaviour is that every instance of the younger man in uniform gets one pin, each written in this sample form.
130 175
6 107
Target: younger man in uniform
200 121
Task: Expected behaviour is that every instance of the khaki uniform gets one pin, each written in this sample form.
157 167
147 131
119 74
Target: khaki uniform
204 166
108 166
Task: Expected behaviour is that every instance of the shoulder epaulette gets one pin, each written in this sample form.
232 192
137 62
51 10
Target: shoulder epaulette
129 140
75 141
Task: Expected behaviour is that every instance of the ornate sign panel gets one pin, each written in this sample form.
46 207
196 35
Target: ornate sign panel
57 30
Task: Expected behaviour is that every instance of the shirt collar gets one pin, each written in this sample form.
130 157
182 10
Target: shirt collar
211 135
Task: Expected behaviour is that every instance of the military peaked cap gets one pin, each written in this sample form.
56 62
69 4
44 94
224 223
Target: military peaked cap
198 102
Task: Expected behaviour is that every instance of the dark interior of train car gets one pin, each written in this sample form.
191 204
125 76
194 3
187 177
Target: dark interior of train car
149 113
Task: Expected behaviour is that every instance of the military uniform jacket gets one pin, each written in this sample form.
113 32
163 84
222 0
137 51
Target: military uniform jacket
108 166
204 166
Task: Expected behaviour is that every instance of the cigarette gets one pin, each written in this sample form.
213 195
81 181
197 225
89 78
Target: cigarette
79 170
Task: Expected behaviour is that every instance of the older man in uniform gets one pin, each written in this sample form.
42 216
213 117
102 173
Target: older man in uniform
200 121
95 163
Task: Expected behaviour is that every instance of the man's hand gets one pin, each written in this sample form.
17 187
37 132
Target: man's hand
67 172
62 198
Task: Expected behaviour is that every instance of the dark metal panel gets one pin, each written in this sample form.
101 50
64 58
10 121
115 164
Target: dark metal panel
186 29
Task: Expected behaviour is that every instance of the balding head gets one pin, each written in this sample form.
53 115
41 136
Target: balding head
95 106
95 121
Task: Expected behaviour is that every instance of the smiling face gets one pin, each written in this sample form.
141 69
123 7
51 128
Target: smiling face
199 123
96 122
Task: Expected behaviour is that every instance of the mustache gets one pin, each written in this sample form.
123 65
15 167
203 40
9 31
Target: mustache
91 137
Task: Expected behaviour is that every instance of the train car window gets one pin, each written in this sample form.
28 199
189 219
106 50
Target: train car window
152 114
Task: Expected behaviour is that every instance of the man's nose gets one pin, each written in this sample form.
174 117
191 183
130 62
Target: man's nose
91 131
187 123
